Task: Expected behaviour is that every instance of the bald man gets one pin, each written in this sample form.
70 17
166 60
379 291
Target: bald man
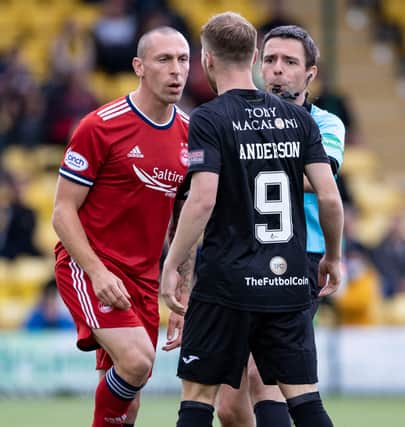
120 184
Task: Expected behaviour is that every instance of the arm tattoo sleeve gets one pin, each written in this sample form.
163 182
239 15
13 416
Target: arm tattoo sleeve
186 270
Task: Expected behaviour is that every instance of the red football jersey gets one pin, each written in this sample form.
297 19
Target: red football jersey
134 168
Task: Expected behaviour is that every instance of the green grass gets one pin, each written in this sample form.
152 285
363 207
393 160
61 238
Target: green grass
157 411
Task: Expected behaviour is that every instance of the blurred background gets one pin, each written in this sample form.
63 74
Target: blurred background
59 59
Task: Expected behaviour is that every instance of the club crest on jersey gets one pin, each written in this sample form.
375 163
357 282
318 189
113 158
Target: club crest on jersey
184 157
75 161
278 265
105 308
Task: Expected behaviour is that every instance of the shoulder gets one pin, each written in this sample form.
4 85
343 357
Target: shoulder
112 110
327 122
207 112
104 114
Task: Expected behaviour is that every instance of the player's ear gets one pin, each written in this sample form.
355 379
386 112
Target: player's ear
312 72
137 65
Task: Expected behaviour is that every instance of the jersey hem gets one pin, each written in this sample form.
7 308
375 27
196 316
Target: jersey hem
255 308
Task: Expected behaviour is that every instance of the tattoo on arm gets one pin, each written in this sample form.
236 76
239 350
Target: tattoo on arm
186 272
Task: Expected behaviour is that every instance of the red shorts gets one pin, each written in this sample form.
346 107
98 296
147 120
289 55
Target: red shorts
89 313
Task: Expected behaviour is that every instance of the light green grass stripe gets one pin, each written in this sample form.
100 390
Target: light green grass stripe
161 411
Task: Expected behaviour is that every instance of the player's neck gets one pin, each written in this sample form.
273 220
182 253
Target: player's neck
234 80
155 110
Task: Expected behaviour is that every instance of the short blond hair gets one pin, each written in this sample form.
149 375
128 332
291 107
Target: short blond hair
230 37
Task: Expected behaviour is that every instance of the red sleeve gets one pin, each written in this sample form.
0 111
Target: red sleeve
85 153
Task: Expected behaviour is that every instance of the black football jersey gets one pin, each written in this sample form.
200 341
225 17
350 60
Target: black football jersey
253 255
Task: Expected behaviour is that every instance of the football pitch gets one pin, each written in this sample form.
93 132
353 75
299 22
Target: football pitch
157 411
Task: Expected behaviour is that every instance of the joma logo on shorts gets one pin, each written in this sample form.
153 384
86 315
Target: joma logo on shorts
189 359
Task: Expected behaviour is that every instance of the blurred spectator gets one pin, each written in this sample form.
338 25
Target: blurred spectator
28 129
21 102
115 37
17 222
277 16
344 190
72 49
359 301
389 257
162 16
335 102
350 233
197 85
67 104
50 312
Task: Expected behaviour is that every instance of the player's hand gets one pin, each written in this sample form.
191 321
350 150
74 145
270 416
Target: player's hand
168 285
174 332
110 290
329 276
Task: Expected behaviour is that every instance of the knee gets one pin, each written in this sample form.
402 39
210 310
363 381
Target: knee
259 391
234 413
227 414
135 365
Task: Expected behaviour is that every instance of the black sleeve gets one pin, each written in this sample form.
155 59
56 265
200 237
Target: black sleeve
204 142
184 188
334 164
314 150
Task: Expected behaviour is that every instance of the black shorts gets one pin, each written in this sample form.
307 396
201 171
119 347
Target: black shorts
313 267
217 341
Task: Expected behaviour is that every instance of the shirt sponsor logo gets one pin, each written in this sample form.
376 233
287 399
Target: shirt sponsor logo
76 161
136 152
196 157
153 181
263 118
278 265
276 281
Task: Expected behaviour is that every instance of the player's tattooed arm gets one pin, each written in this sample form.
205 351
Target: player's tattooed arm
185 270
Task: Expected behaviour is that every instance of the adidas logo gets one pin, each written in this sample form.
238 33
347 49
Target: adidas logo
116 420
136 152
